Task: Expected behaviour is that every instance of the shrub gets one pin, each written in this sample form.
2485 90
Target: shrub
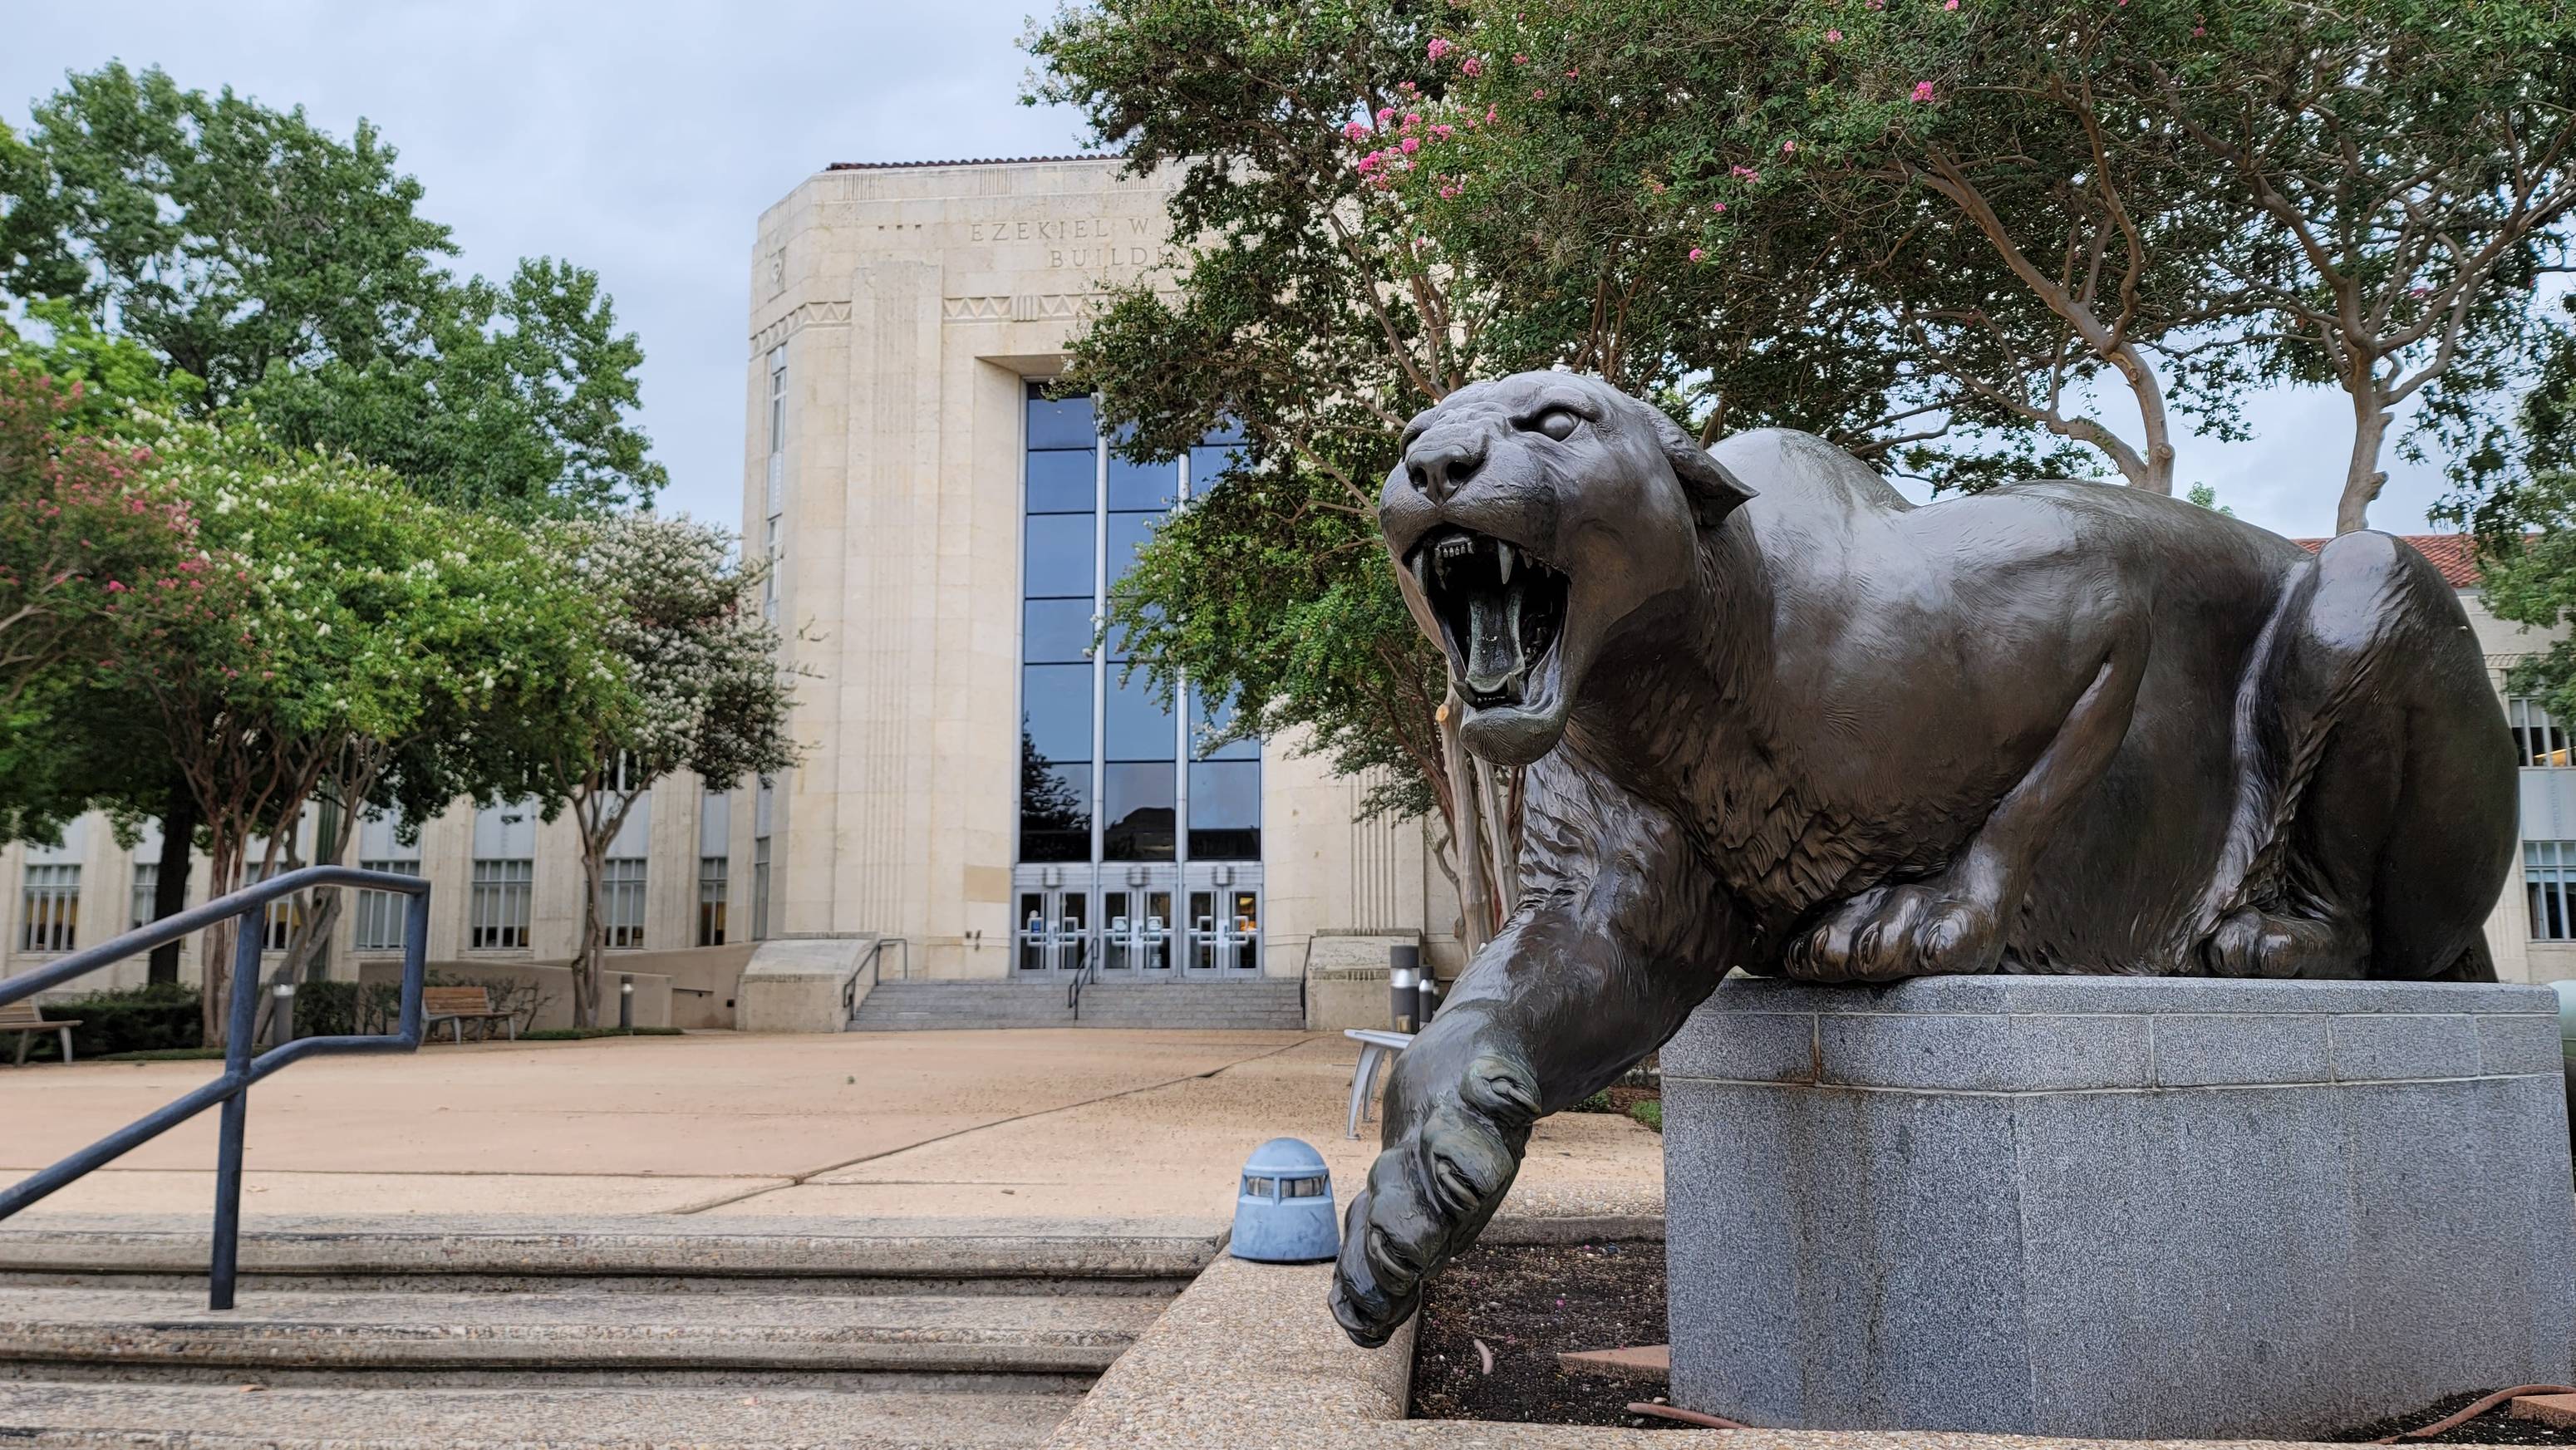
583 1034
1650 1113
154 1017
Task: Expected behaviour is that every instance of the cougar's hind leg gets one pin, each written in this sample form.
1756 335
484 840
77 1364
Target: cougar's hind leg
2366 727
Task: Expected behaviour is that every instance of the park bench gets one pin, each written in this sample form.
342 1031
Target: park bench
23 1019
460 1005
1376 1047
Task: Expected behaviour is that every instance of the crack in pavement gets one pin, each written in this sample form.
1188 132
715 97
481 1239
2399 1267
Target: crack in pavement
802 1179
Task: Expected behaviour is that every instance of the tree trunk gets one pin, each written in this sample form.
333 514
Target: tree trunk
2157 450
2362 477
308 947
215 948
170 887
594 926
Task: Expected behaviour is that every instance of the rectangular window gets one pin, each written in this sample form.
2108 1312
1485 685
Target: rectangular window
380 913
497 911
711 900
760 889
51 909
279 922
621 889
147 885
2538 738
2549 879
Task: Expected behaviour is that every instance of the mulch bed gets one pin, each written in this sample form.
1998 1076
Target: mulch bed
1527 1303
2495 1427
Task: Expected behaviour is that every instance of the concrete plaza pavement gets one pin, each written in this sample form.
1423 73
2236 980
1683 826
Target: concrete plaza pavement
1037 1123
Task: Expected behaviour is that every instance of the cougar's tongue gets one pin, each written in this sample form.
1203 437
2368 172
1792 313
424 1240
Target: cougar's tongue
1493 639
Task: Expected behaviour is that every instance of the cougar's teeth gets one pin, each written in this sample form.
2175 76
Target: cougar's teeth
1503 552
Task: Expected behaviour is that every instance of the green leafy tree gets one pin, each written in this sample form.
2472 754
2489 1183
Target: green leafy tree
292 270
518 398
333 622
2519 494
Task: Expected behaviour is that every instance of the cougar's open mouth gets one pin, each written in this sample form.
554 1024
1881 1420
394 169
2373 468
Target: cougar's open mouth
1501 615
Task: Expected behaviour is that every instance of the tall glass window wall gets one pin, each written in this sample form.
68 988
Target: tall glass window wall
1115 790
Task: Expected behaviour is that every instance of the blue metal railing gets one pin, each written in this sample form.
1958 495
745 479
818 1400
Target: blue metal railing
232 1089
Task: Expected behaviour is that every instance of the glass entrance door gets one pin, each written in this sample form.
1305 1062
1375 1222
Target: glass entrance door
1225 931
1054 929
1137 928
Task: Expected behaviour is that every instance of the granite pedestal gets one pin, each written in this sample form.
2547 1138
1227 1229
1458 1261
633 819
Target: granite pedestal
2115 1207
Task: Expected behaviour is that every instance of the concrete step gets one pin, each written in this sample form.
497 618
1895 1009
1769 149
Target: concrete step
573 1330
640 1253
1258 1005
224 1417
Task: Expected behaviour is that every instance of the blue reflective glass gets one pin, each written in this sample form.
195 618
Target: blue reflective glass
1127 534
1062 482
1062 424
1143 485
1225 810
1214 717
1207 465
1054 631
1059 556
1055 711
1055 812
1139 727
1138 807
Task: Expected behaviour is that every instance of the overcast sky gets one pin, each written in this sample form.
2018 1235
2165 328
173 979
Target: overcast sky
643 139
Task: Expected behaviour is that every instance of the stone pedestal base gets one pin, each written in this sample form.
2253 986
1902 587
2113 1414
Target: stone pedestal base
2115 1207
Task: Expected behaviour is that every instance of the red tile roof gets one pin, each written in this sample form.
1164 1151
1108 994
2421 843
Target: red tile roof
2453 554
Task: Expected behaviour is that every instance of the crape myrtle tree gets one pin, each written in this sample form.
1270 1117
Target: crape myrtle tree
2403 169
2032 284
81 517
329 620
1319 310
700 688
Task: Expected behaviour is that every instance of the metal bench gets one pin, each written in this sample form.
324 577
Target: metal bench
27 1021
1376 1046
460 1005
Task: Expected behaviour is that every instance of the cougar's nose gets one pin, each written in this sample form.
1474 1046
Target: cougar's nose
1441 463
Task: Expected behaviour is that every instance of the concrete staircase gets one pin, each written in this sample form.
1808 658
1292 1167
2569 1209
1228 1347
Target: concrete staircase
1264 1004
623 1333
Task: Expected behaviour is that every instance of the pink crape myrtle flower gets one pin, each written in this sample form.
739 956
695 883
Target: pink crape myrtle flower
1471 66
1492 114
1833 37
1412 144
1718 207
1412 119
1370 162
1519 59
1788 148
1699 254
1385 114
1442 132
1437 48
1355 131
1922 90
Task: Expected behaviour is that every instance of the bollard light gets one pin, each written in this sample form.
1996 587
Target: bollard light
1404 985
281 1016
1283 1208
626 1003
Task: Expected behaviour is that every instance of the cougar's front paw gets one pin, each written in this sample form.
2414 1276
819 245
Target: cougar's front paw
1429 1195
1889 933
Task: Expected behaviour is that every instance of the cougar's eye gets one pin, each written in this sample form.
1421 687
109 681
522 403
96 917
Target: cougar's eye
1556 423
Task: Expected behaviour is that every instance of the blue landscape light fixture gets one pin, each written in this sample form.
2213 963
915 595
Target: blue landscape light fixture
1283 1213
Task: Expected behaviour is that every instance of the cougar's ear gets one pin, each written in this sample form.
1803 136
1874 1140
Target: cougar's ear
1713 487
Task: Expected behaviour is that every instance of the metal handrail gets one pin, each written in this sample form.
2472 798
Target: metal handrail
873 965
1088 971
232 1089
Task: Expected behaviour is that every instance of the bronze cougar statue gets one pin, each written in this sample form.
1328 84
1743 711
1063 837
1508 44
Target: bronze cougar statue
1778 718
